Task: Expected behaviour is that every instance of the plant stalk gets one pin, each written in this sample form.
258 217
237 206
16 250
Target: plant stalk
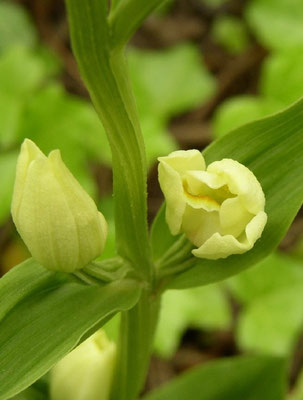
135 346
105 75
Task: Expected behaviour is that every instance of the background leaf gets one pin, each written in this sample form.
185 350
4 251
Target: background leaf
277 23
275 273
231 33
165 83
271 298
15 26
249 378
7 173
281 65
240 110
21 71
272 323
204 307
168 82
37 391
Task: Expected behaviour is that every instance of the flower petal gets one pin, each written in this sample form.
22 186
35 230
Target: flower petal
29 151
184 160
41 215
91 224
172 188
199 225
218 246
241 181
255 228
234 217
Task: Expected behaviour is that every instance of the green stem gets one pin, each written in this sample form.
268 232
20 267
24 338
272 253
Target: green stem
98 47
134 348
127 15
105 75
176 254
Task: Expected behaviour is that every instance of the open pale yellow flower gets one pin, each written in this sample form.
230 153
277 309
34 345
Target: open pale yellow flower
56 218
220 208
87 372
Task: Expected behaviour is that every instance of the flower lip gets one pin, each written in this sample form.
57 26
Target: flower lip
201 194
201 201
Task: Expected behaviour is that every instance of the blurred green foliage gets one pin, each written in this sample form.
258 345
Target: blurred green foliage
276 23
203 307
297 392
282 78
167 83
15 27
278 26
240 110
213 3
235 378
231 33
170 81
271 295
35 105
281 83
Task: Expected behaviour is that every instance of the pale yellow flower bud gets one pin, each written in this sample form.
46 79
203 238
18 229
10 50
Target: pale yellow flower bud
220 209
56 218
87 372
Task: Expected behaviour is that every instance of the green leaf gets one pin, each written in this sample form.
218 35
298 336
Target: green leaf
297 392
271 297
54 119
156 77
15 26
115 3
7 173
297 250
240 110
231 33
163 9
21 72
37 391
277 23
160 236
11 108
127 16
273 96
204 307
277 272
272 149
43 316
171 81
287 64
214 3
30 394
158 141
273 323
249 378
